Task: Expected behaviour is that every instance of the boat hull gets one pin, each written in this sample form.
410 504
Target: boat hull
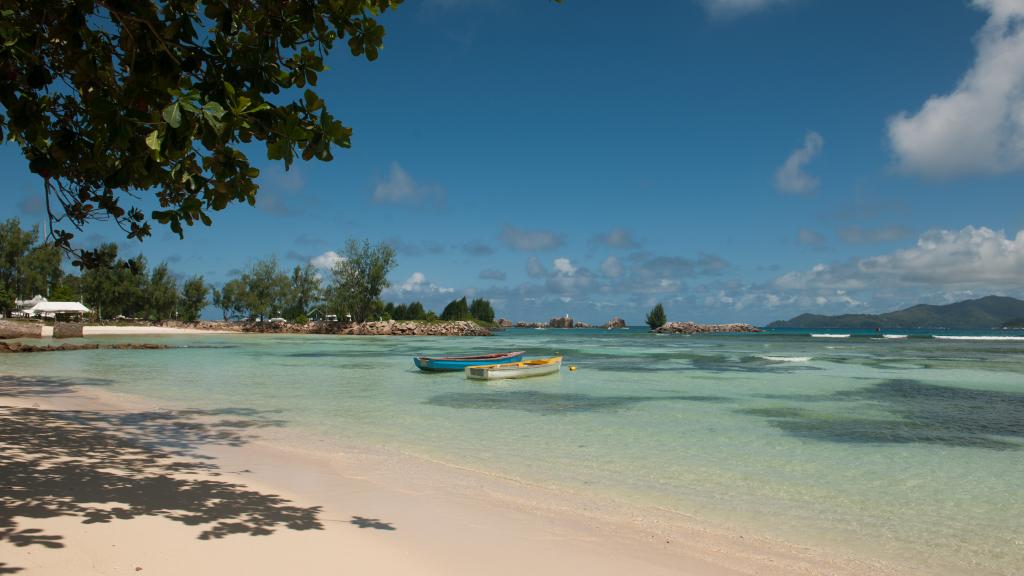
457 364
526 369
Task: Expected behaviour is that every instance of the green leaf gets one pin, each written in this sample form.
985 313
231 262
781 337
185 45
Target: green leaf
217 125
213 112
153 140
172 114
313 102
214 109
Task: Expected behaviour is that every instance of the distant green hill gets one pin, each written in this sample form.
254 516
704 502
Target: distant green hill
980 314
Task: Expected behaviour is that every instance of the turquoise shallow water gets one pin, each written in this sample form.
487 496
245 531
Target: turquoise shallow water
909 451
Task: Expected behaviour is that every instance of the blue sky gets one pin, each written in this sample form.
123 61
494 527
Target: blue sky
737 160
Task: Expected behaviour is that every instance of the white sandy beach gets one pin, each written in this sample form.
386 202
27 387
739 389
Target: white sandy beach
139 331
260 508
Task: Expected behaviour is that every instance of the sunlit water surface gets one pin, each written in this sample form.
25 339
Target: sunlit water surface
907 450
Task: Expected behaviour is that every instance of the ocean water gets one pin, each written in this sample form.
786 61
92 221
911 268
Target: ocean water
908 450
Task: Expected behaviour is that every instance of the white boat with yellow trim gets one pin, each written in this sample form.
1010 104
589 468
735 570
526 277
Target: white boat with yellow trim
522 369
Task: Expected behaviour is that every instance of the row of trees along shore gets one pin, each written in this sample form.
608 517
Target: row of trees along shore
129 288
117 287
353 289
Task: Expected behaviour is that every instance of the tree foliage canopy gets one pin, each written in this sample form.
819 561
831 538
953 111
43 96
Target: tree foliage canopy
456 310
264 290
113 100
460 309
193 298
481 310
656 317
27 266
358 280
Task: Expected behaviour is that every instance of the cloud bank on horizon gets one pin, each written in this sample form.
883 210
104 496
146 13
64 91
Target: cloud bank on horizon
942 266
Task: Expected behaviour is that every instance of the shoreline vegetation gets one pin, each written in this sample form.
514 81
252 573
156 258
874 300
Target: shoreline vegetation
261 298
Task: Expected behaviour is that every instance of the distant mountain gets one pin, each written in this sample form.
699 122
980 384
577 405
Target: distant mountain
980 314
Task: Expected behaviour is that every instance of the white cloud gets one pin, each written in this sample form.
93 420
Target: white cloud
737 7
530 240
327 261
565 278
611 267
791 178
417 283
971 256
399 188
564 266
979 127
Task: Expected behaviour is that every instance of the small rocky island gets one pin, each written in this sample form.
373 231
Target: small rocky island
561 322
694 328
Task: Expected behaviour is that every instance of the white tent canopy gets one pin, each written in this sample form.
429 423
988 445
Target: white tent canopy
50 308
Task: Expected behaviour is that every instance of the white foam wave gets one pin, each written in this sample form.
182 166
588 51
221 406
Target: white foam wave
1012 338
830 335
894 336
786 358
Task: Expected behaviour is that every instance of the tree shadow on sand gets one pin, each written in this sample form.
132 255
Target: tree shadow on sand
374 523
36 386
107 466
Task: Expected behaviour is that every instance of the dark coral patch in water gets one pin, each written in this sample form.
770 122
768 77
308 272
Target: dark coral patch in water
549 403
921 413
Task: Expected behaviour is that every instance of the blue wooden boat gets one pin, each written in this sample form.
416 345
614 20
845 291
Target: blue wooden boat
459 363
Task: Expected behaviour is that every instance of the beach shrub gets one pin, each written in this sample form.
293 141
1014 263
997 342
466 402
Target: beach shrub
656 317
